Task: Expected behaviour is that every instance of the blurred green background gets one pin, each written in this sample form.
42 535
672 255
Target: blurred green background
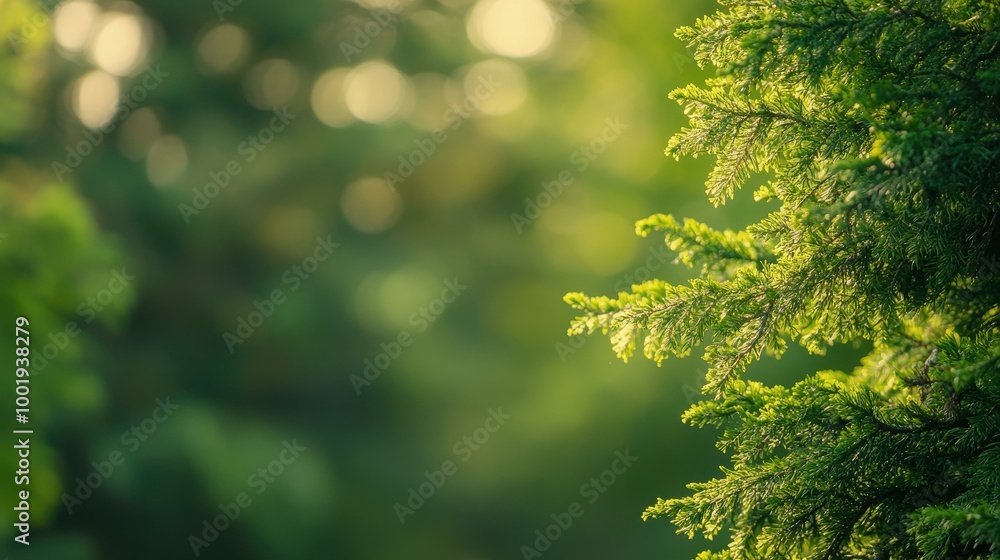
182 89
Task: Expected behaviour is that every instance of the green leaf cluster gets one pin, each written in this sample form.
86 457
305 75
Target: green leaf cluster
878 126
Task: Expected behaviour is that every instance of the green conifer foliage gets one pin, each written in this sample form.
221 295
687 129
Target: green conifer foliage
878 123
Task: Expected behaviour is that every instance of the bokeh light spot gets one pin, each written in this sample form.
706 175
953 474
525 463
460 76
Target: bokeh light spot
375 91
73 23
327 99
120 43
95 98
224 48
371 205
403 291
513 28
